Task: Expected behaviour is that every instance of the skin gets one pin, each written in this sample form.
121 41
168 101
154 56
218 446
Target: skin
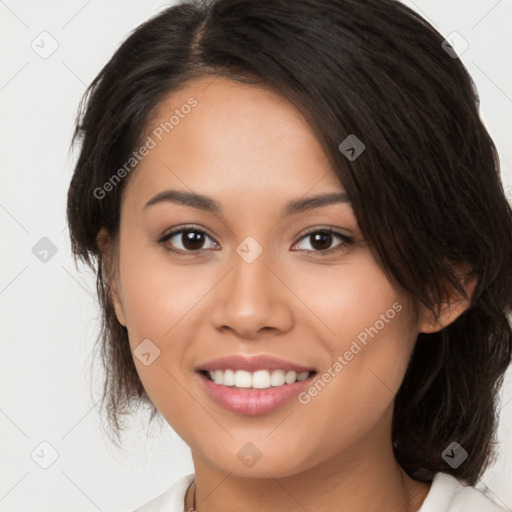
251 150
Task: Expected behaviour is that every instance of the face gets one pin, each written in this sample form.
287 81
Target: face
251 278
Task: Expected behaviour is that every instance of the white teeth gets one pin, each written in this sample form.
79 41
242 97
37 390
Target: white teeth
229 377
277 378
260 379
242 379
290 377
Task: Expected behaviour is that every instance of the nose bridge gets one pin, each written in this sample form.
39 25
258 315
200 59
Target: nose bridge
251 275
250 298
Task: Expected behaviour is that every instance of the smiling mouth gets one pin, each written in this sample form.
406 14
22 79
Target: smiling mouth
258 380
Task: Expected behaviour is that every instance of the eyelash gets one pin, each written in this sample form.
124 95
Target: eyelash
348 241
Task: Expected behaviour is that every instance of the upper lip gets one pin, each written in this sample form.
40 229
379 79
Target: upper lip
251 363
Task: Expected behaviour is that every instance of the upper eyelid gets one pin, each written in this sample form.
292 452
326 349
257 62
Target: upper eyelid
174 232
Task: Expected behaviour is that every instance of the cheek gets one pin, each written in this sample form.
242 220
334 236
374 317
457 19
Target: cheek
158 300
354 393
346 299
365 325
158 297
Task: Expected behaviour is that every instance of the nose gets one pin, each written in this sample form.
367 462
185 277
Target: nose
252 299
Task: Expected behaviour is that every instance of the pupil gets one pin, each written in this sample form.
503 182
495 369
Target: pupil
321 236
192 240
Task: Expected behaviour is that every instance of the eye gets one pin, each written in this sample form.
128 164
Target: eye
321 240
190 239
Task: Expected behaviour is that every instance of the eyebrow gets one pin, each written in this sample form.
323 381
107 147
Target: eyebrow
208 204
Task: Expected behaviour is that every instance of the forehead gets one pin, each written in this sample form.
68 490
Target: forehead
216 135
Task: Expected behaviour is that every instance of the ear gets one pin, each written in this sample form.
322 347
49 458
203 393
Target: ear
450 309
106 247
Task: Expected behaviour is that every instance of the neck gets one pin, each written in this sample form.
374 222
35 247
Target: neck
359 482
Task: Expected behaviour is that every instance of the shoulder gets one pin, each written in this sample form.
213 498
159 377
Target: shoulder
448 494
172 500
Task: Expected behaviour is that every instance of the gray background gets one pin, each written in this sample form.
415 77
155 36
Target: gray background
49 311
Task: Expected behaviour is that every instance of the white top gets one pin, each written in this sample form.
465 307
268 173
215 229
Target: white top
446 494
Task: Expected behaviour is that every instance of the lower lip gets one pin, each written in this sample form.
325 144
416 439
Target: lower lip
253 402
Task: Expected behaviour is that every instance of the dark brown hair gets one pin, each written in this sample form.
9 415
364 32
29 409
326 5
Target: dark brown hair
426 191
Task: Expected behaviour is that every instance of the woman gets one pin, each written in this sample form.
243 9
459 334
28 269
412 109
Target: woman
303 254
